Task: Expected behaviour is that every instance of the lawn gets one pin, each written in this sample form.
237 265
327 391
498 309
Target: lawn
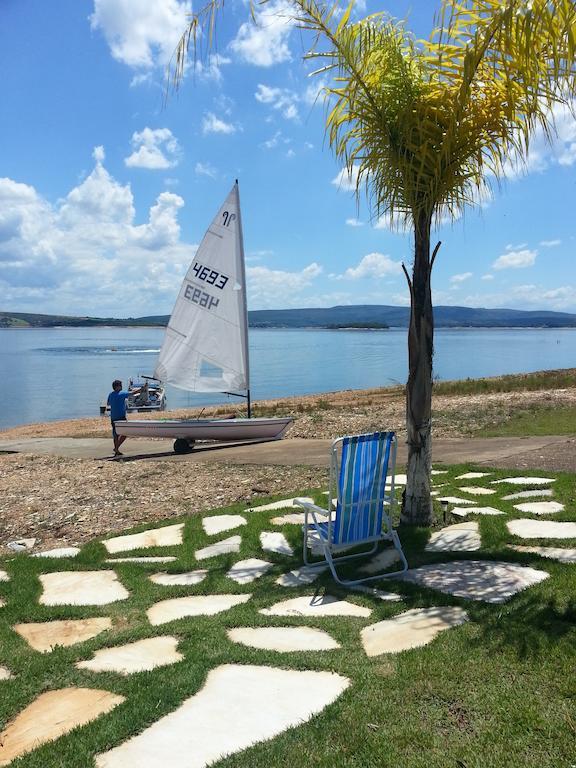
496 691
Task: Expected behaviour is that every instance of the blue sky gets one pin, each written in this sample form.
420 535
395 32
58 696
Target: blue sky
105 192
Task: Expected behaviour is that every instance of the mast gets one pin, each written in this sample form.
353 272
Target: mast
245 298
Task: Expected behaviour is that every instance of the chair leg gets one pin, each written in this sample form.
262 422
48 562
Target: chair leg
353 582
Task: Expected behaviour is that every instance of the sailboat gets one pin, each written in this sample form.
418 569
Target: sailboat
205 348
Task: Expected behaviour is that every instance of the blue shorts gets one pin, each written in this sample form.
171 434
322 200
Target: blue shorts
113 422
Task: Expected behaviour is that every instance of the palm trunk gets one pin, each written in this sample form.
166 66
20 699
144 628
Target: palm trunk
417 503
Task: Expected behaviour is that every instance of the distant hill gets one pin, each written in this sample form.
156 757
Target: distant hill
360 316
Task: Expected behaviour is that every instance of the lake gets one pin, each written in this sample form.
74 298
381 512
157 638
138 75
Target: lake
62 373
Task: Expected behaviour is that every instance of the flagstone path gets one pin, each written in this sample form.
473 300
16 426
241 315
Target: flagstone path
188 579
315 605
540 507
563 555
461 537
219 523
45 636
232 544
81 588
284 639
246 571
465 511
477 490
170 535
528 494
198 605
59 552
141 656
541 529
5 674
273 541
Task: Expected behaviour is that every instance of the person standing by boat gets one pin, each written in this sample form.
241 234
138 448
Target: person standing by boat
117 402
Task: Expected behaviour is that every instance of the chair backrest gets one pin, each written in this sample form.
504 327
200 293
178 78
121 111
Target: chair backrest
362 487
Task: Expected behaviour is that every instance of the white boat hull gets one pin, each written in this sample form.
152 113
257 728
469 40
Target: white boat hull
220 430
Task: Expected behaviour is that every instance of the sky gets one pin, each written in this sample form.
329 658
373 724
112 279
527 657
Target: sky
106 187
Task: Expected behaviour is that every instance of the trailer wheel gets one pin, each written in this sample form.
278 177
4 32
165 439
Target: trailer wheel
182 446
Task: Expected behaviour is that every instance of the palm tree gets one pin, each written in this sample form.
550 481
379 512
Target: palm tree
428 125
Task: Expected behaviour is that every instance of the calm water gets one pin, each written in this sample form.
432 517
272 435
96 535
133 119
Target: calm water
50 374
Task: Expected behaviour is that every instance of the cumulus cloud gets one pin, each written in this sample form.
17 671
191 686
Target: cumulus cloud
459 279
515 258
345 180
282 100
354 223
155 149
550 243
85 254
373 265
487 277
264 41
213 124
273 287
205 169
141 33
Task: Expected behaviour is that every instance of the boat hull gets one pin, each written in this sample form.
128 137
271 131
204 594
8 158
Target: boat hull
220 430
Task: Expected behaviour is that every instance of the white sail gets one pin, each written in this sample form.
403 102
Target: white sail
205 348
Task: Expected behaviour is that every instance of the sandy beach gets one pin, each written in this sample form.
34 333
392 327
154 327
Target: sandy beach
62 501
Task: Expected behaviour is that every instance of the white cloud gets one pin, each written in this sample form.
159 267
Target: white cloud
373 265
354 223
276 287
85 254
550 243
459 279
264 42
487 277
346 181
205 169
213 124
155 149
280 99
529 296
515 259
141 33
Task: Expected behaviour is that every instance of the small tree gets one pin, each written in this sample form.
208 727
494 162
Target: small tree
429 125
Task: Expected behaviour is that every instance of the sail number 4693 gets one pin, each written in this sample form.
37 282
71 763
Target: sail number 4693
200 297
210 276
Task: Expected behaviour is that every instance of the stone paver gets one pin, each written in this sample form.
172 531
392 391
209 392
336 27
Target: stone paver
477 490
379 594
4 576
168 536
59 552
224 547
541 529
283 639
473 475
491 582
291 518
300 576
219 523
197 605
239 705
410 629
141 656
274 541
151 559
562 554
439 472
528 494
456 500
188 579
465 511
51 715
540 507
461 537
5 673
81 588
247 571
282 504
316 605
380 562
525 480
45 636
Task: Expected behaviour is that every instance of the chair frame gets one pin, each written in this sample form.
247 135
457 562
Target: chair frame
325 534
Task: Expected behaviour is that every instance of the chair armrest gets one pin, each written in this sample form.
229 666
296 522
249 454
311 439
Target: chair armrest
308 506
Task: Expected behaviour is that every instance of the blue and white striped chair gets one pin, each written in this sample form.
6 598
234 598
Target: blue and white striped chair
364 503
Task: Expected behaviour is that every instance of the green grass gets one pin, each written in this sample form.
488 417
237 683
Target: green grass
560 420
496 691
522 382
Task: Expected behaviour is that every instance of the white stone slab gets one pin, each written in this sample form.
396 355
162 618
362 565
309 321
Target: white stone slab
491 582
283 639
141 656
292 518
81 588
4 576
188 579
246 571
477 490
525 480
434 493
315 544
240 705
224 547
282 504
197 605
219 523
300 576
45 636
2 603
563 555
464 511
168 536
381 561
379 594
316 605
51 715
411 629
439 472
461 537
20 545
5 673
528 494
540 507
274 541
473 475
541 529
398 480
59 552
455 500
152 559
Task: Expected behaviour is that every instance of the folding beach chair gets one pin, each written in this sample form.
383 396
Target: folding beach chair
364 505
